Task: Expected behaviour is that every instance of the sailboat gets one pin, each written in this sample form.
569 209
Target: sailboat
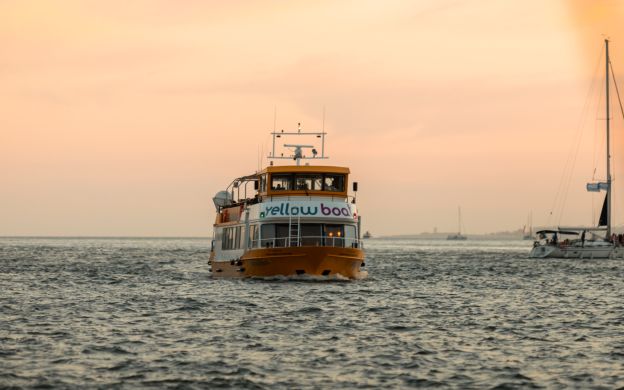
459 236
527 231
586 242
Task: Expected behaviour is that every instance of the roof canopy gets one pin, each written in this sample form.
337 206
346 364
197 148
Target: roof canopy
557 231
305 169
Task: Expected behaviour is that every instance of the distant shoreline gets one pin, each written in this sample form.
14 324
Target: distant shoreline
443 236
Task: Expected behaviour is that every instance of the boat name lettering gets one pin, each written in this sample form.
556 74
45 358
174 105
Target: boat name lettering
286 209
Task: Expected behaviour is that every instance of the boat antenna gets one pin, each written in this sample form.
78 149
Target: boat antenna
298 148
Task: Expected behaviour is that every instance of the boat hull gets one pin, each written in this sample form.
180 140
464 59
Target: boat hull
576 252
294 261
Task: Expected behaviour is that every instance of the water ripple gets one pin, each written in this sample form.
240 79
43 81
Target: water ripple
116 313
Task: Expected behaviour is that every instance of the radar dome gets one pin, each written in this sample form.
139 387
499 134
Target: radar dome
222 199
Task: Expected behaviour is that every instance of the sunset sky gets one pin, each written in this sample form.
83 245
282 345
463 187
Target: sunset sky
126 117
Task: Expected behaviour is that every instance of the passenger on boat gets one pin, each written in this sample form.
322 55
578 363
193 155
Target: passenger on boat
329 184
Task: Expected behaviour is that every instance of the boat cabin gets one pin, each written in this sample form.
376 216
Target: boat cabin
289 205
555 237
276 182
582 236
303 181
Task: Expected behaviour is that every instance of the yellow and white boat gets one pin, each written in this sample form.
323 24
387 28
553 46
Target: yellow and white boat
289 220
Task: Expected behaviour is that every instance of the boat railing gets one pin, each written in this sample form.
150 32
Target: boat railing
333 198
574 242
287 242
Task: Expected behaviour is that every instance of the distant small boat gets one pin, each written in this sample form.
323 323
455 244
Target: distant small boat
527 230
367 235
459 236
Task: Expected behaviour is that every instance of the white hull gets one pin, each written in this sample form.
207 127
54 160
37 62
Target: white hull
577 252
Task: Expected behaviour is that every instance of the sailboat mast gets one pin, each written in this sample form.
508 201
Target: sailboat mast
608 140
459 220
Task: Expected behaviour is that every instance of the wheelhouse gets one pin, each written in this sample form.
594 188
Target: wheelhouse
303 180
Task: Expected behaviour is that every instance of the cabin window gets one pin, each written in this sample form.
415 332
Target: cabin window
231 238
333 235
267 234
309 182
228 238
281 182
311 234
225 244
263 184
333 183
281 234
253 235
219 236
350 236
274 235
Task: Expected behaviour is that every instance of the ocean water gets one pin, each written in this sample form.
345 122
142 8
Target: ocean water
137 313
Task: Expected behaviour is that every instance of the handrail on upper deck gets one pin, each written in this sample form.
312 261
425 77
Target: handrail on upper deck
325 241
309 197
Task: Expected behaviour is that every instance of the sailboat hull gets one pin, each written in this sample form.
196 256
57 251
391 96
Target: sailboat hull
590 251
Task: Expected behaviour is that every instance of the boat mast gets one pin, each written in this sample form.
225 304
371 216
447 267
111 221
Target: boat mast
608 146
459 220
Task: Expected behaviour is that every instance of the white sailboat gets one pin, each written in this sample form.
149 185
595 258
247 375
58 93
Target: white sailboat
586 242
459 236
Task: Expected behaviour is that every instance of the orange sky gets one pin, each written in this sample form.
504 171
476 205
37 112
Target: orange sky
124 118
